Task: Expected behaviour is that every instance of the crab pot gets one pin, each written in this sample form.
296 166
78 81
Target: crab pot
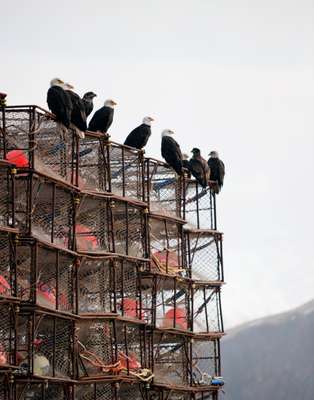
204 256
8 335
36 390
45 275
108 224
170 394
93 163
5 387
170 358
7 264
126 171
94 391
7 209
166 245
205 361
127 391
45 345
44 209
206 309
165 189
199 206
110 285
33 139
97 355
168 301
132 348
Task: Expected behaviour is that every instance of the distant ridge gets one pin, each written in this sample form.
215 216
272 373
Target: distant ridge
271 358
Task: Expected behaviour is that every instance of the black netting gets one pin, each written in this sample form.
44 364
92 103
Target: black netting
204 255
39 391
199 206
7 268
6 198
166 246
7 335
171 359
206 311
52 343
94 391
205 361
51 279
165 188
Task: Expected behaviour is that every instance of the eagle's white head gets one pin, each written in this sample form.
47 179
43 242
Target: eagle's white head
213 154
110 103
56 82
167 132
148 120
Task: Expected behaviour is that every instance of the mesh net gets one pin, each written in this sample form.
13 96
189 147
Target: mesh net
51 146
165 188
172 304
4 388
93 165
6 204
94 391
166 246
126 169
169 395
131 348
128 229
199 206
54 276
95 286
204 361
96 348
128 392
52 344
51 209
206 312
7 335
7 270
170 353
93 225
39 391
204 255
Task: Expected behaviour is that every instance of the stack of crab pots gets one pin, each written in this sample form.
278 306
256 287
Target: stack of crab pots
110 272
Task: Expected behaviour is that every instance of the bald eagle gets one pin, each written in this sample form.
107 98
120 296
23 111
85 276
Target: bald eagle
171 152
217 170
199 168
59 102
88 102
139 136
102 119
78 116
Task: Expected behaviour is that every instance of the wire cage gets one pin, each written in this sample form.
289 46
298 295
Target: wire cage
166 245
45 345
204 256
132 350
108 348
170 358
5 387
169 394
206 309
7 214
205 361
94 391
127 391
126 171
8 335
97 356
110 285
45 209
45 275
165 189
199 206
110 224
7 264
36 390
167 301
31 138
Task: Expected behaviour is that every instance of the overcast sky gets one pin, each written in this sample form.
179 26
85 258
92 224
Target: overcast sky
235 76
